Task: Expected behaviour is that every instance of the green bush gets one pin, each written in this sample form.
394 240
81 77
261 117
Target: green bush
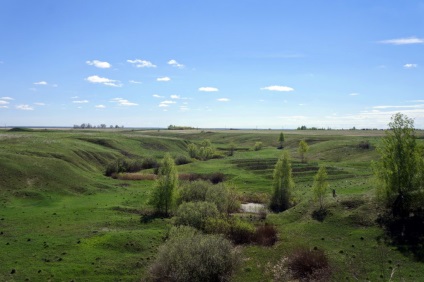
195 214
241 232
194 191
189 255
218 194
181 160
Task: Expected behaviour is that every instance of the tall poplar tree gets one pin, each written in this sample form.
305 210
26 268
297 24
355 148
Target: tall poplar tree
320 186
163 195
282 184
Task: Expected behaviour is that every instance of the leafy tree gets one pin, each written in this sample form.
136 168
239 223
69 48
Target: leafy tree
231 149
320 185
195 214
400 169
281 139
282 184
163 195
192 150
303 149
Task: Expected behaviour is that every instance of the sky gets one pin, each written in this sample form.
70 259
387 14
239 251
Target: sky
211 64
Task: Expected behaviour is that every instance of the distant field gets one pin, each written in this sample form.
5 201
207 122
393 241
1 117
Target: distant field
61 219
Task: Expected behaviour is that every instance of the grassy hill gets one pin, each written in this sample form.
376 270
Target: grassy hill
62 219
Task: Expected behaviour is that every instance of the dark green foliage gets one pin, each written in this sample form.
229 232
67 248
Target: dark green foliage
265 235
193 191
195 214
235 229
282 184
181 160
191 256
127 165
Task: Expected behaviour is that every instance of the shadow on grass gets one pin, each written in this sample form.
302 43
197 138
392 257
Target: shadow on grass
320 214
406 233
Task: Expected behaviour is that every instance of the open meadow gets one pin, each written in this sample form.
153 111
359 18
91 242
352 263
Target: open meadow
63 219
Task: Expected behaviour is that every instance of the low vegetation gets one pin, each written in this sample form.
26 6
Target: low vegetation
153 205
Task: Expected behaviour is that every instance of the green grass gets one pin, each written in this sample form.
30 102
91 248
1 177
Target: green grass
61 219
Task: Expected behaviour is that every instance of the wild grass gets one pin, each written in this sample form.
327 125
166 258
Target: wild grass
61 219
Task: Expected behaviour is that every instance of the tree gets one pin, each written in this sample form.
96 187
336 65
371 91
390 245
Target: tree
282 184
320 186
281 140
400 169
231 149
303 149
258 146
163 195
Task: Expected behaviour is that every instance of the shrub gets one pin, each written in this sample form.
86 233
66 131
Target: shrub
214 178
218 194
364 145
265 235
309 265
258 146
181 160
217 226
195 214
149 162
241 232
191 256
135 176
194 191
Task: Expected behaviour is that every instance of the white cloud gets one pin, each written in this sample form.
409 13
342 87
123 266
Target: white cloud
123 102
3 102
74 97
163 105
354 94
223 99
184 108
99 64
403 41
100 106
208 89
279 88
165 78
4 107
135 82
157 96
168 102
410 66
174 63
80 101
41 83
39 104
399 107
141 63
6 98
175 97
103 80
24 107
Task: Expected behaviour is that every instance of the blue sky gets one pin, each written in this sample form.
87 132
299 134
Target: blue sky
243 64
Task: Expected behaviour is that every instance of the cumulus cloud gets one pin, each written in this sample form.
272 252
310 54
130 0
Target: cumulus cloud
135 82
103 80
354 94
223 99
99 64
208 89
24 107
141 63
41 83
39 104
410 66
6 98
174 63
3 107
175 97
80 101
100 106
165 78
163 105
157 96
278 88
123 102
399 107
403 41
3 102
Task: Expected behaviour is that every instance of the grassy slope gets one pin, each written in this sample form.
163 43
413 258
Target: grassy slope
58 219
